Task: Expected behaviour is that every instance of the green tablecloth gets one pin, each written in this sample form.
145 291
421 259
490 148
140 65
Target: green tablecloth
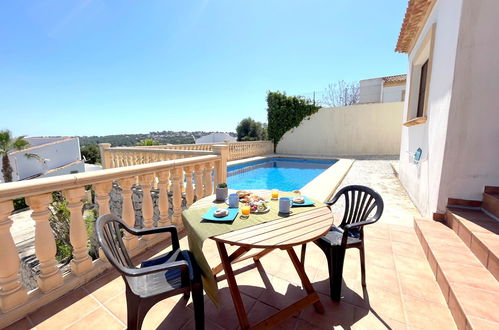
199 231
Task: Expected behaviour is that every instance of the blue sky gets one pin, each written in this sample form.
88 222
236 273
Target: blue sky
98 67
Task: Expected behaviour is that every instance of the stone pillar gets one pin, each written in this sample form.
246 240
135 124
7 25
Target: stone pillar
50 276
128 213
12 293
164 178
177 197
221 166
189 189
147 205
104 155
81 262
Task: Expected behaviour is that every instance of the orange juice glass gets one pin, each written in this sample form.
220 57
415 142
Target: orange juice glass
275 194
246 209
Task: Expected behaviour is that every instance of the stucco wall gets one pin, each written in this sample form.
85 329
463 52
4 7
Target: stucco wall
471 158
363 129
422 181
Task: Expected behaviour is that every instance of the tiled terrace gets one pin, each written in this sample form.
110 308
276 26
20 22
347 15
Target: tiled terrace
401 290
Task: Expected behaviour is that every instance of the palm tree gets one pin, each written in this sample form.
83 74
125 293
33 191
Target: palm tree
7 144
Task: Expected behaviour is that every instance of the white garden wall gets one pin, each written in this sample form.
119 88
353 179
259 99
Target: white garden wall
363 129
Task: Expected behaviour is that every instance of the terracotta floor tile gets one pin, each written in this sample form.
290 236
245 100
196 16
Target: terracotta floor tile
106 287
426 315
403 236
336 314
476 323
422 287
64 310
22 324
464 257
99 318
385 303
413 249
364 319
378 231
117 306
261 311
416 267
282 294
171 313
476 277
479 303
225 316
383 278
208 325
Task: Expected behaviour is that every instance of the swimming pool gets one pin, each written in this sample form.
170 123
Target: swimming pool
285 174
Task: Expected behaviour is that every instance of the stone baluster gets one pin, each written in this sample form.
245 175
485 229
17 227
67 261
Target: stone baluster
128 213
164 179
12 292
50 276
208 188
102 198
147 205
189 189
176 175
81 262
198 181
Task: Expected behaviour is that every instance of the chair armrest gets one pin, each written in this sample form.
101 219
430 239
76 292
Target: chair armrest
349 226
181 264
157 230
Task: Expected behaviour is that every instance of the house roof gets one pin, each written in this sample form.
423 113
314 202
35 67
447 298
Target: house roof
394 80
415 16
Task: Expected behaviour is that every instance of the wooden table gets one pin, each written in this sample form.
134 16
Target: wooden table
280 234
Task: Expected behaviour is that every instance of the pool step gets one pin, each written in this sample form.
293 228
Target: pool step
471 292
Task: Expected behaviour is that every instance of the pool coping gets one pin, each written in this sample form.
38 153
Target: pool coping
324 185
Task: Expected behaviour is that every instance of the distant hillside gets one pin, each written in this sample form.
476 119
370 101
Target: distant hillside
164 137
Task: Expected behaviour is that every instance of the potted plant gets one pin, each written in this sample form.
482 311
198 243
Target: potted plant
222 191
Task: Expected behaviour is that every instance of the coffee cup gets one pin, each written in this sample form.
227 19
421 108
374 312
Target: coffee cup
285 205
233 200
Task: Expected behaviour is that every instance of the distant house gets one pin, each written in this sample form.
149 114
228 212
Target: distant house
216 138
450 135
55 156
382 89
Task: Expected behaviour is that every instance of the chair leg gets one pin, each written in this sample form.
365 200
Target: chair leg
335 262
363 264
132 310
303 250
198 302
187 295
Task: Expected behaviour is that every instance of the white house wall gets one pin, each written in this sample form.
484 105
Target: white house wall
471 159
363 129
422 181
370 90
55 155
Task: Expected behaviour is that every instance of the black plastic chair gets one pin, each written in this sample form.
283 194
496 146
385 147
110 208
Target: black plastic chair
157 279
360 202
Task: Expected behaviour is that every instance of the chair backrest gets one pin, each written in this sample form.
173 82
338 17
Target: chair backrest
360 202
108 228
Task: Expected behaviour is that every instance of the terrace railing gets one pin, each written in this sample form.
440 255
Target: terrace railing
165 176
127 156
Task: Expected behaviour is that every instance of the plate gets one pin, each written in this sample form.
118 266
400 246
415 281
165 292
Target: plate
261 212
307 202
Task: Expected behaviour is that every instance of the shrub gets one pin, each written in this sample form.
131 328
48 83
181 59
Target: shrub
286 112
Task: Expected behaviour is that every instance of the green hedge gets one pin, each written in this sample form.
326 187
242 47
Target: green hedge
286 112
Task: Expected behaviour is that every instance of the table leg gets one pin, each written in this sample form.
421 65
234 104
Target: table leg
234 290
304 279
233 257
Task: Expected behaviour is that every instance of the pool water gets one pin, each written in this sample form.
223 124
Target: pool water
286 174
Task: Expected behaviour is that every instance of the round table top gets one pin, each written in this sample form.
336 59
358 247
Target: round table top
282 233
